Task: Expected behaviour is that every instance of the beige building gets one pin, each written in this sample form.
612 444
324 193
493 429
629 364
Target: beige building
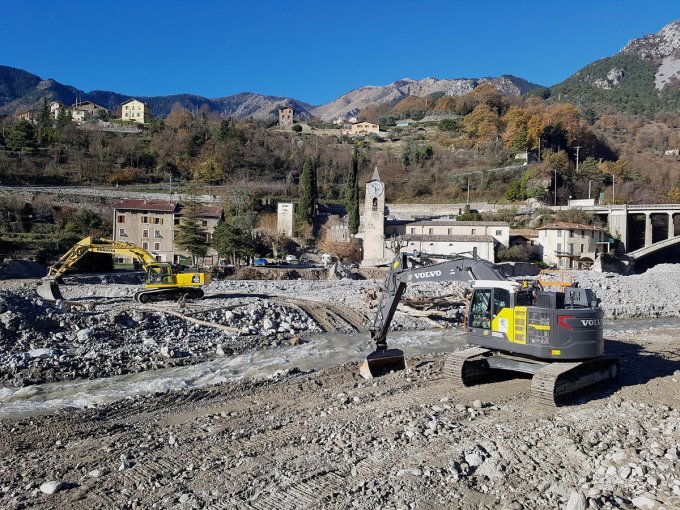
571 245
29 115
151 224
285 116
55 108
362 128
133 110
285 218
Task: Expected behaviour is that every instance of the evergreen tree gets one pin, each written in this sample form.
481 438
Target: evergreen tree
232 242
352 194
63 118
308 193
20 137
189 235
43 123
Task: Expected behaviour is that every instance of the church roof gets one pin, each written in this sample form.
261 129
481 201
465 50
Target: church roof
376 175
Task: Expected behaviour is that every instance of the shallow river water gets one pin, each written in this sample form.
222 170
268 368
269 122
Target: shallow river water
319 351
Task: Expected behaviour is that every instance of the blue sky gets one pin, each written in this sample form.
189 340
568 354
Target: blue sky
311 50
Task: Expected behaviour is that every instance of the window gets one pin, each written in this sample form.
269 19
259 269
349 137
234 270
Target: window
145 245
374 207
480 316
499 232
145 219
430 231
157 246
204 223
501 299
145 233
208 237
571 233
559 233
449 231
158 221
121 218
559 247
473 231
157 234
413 230
582 248
122 232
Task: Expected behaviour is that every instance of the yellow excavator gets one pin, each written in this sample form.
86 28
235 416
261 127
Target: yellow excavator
162 282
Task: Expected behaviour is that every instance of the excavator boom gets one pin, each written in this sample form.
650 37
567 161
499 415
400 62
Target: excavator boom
406 269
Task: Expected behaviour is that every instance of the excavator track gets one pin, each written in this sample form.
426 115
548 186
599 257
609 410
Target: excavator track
154 295
466 367
556 382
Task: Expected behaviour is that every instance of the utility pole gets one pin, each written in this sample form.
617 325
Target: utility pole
577 149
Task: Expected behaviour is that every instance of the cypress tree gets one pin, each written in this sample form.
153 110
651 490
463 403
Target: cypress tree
352 194
307 205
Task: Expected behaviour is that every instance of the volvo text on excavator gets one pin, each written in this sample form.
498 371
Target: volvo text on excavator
556 336
162 282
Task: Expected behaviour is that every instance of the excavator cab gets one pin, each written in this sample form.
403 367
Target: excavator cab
160 274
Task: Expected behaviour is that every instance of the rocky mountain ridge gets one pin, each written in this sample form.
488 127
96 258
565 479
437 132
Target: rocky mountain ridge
644 77
20 89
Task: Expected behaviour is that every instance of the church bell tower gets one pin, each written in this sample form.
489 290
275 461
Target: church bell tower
374 218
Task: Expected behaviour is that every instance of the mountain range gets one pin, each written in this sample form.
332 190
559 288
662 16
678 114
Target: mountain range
644 77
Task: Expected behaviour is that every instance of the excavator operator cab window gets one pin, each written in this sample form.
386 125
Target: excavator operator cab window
501 299
480 309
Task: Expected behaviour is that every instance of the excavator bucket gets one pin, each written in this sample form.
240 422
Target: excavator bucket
49 290
382 362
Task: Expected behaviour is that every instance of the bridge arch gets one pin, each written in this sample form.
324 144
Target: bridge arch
652 248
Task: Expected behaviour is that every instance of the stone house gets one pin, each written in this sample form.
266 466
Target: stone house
285 116
84 110
151 224
134 110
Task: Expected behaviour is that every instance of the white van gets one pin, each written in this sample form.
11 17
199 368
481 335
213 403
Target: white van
292 260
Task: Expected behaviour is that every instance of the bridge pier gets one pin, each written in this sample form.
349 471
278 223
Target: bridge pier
671 227
648 229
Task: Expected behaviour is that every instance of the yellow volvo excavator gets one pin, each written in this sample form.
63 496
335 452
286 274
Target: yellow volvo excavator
162 283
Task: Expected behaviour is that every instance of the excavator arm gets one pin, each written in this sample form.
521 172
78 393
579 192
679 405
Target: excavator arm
98 245
406 269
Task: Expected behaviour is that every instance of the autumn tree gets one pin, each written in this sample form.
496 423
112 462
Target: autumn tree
482 123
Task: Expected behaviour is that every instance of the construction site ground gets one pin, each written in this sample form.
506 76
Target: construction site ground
329 439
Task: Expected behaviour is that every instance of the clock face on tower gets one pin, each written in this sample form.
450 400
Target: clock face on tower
375 189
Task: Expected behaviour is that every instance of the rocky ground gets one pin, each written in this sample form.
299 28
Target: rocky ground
327 439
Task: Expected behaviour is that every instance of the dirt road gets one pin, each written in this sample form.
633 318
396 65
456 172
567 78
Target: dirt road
332 440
